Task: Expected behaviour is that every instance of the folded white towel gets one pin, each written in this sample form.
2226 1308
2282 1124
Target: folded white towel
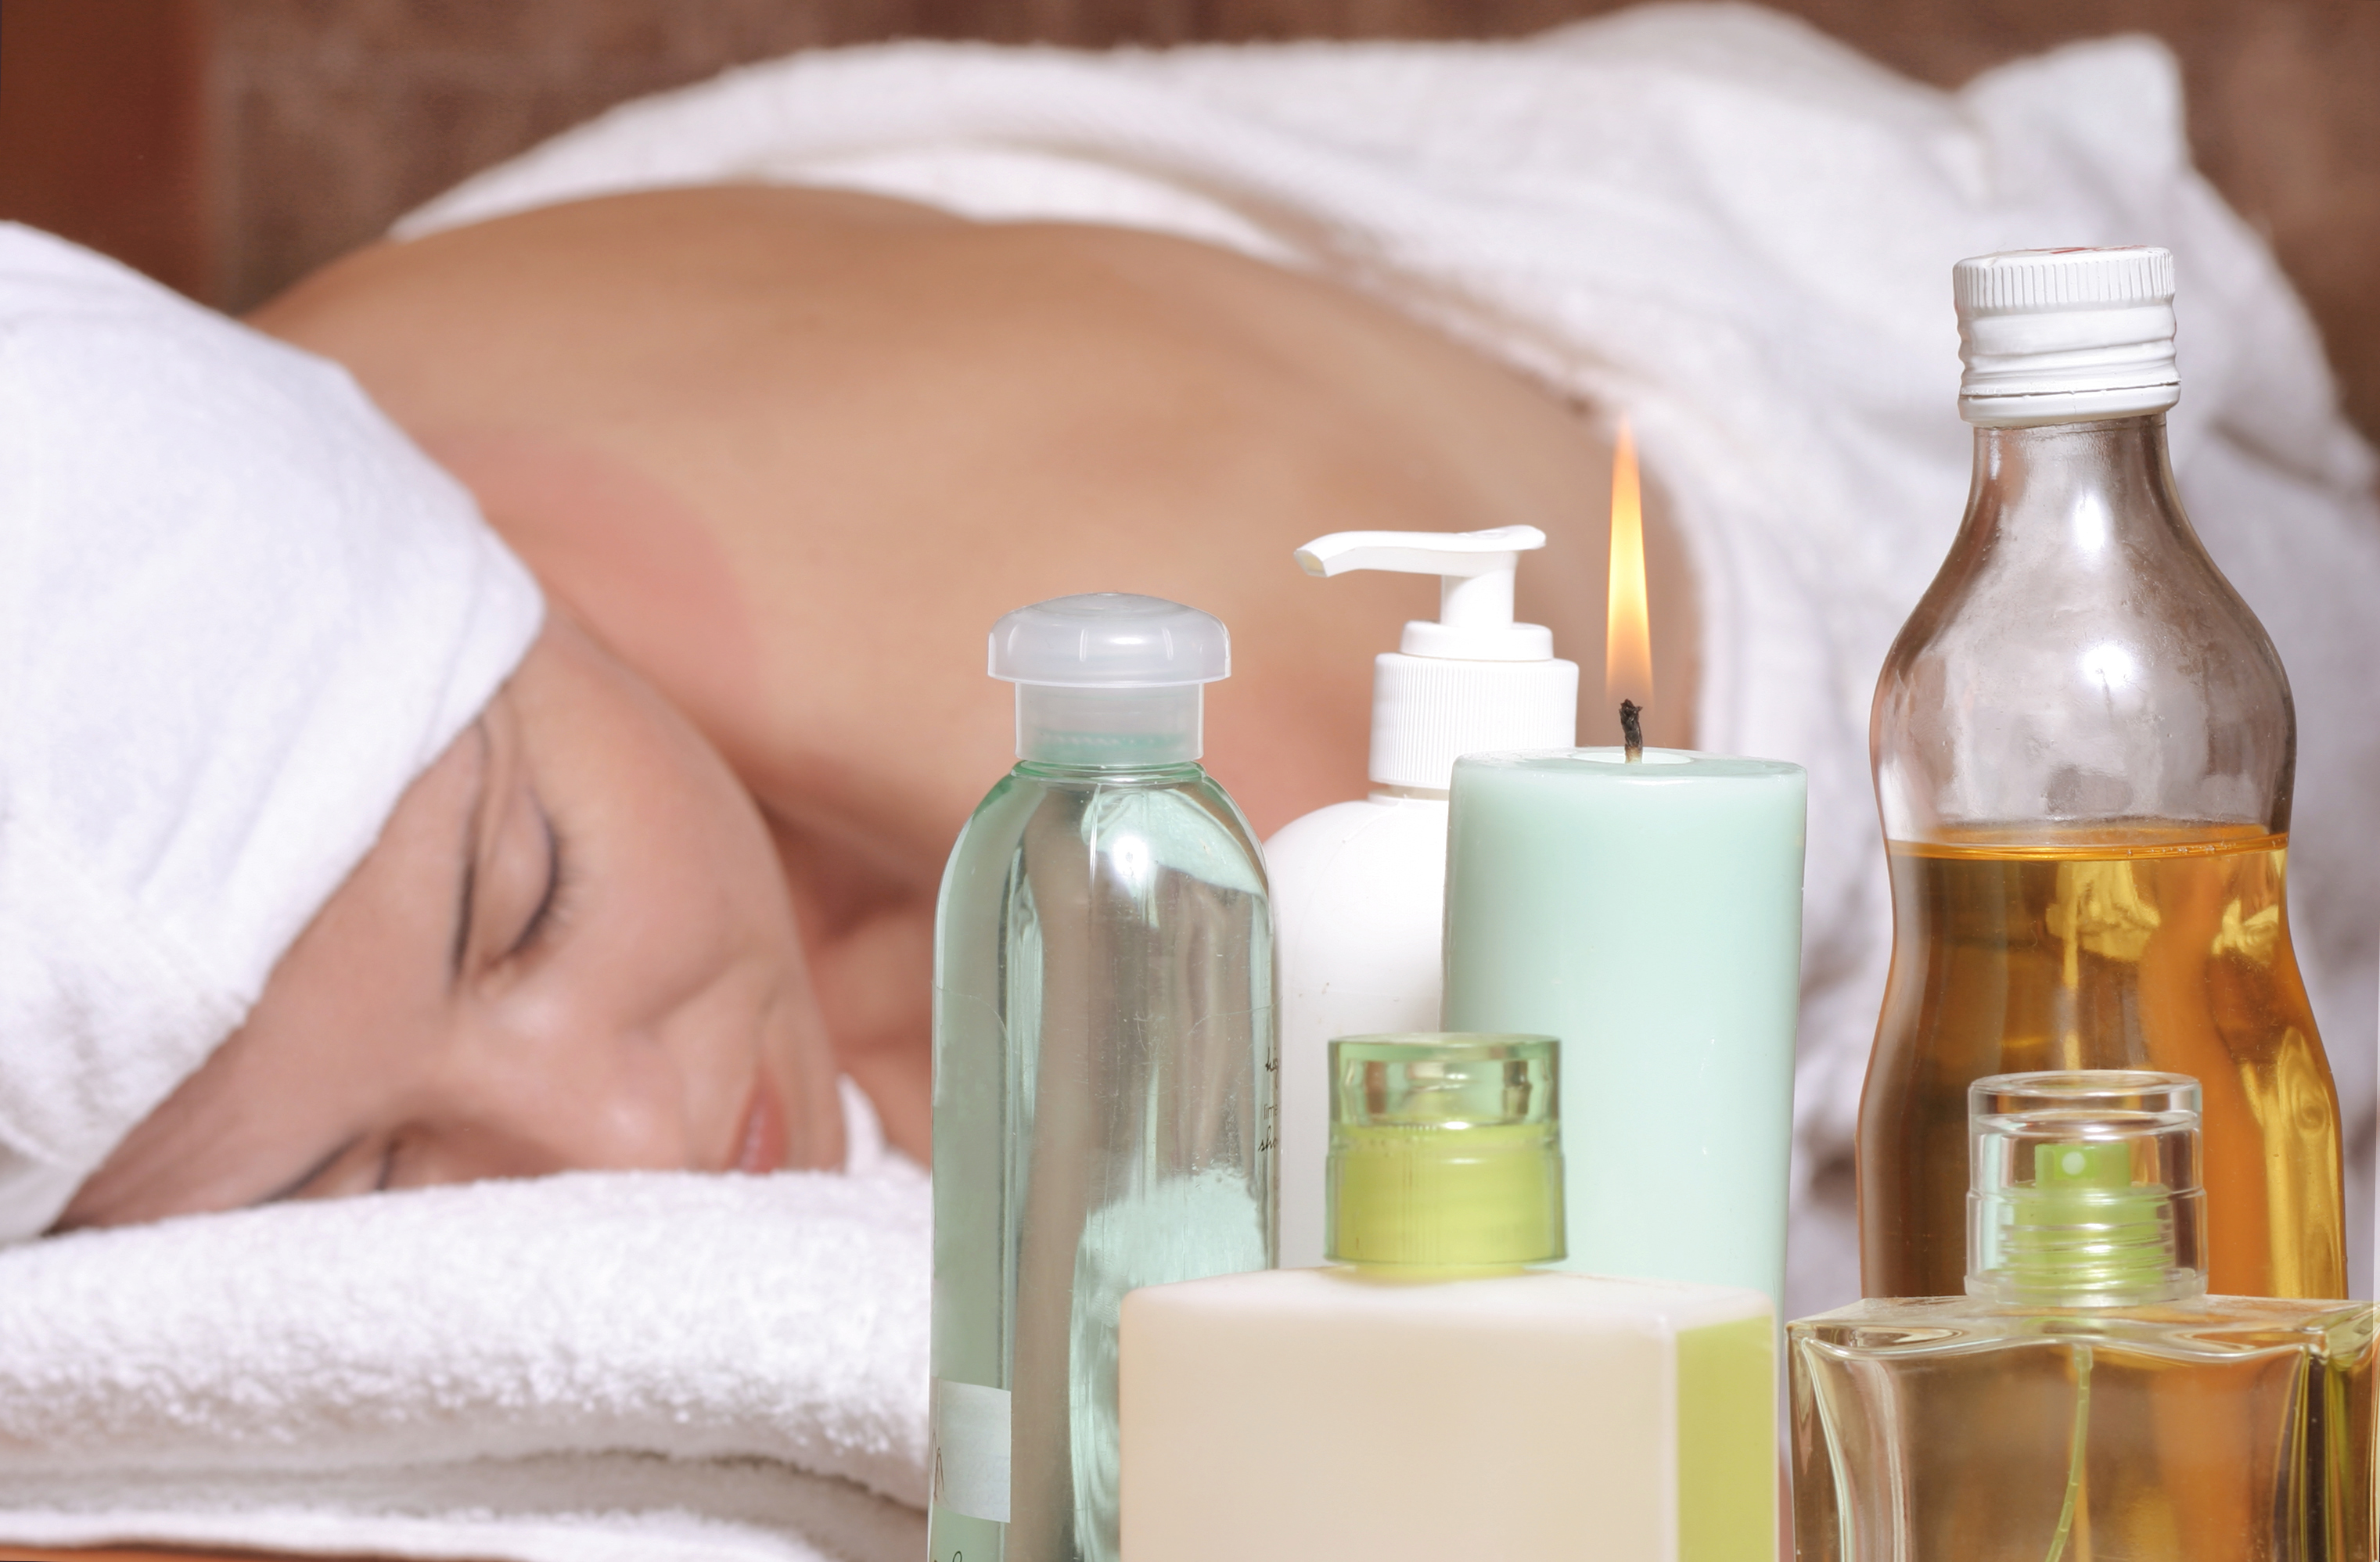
639 1366
1741 232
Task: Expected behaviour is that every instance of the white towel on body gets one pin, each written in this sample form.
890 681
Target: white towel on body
1740 233
599 1367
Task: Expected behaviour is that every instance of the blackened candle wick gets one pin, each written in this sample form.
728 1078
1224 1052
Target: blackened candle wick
1632 730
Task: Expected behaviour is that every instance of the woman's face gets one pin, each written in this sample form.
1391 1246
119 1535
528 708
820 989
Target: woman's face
572 946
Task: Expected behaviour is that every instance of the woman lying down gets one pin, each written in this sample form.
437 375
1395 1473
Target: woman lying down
670 873
346 853
390 868
365 830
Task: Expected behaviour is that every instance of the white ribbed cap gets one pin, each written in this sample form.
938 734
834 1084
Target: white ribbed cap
1428 711
2065 336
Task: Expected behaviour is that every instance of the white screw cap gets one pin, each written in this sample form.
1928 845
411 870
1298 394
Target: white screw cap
2065 336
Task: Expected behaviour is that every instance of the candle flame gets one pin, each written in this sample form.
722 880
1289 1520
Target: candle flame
1628 637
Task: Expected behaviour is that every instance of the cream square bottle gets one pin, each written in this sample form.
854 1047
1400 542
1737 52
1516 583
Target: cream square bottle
1428 1396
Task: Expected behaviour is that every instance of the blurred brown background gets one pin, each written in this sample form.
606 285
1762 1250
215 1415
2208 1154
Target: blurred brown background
228 146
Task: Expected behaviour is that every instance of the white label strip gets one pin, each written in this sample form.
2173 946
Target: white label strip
970 1449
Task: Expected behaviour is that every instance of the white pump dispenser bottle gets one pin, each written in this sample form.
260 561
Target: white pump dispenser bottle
1359 889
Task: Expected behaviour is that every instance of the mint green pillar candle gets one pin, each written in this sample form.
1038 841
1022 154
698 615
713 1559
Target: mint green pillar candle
1649 915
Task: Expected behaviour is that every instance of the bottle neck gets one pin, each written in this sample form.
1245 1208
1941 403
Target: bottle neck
1108 729
2097 492
1114 775
2079 668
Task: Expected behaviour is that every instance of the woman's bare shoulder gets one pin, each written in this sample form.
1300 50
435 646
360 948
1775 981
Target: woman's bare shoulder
791 453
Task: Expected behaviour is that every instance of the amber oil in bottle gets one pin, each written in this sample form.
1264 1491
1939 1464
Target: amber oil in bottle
2160 947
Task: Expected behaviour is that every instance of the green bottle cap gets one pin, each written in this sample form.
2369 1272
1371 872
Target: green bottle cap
2085 1188
1445 1151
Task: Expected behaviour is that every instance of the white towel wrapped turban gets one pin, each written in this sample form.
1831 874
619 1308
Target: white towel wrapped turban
240 612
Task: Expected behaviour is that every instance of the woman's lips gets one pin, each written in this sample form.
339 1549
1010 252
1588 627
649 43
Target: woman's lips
761 1146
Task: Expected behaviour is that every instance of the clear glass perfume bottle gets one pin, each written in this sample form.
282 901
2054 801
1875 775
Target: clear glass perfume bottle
2087 1399
1103 1058
2083 746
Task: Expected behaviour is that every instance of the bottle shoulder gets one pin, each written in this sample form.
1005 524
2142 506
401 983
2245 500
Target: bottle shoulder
1381 817
2205 1327
1175 800
1375 846
1517 1297
1132 826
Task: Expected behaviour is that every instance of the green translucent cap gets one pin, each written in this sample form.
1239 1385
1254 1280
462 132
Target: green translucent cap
1445 1151
2085 1188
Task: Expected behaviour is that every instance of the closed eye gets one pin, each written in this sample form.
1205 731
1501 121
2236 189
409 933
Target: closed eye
541 918
297 1186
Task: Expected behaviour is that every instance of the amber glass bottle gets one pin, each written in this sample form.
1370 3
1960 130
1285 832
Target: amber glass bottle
2084 743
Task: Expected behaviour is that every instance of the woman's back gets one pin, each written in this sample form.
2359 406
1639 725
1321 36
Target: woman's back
790 452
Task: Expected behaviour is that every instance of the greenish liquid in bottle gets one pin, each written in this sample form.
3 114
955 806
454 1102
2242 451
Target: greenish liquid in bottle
1103 1101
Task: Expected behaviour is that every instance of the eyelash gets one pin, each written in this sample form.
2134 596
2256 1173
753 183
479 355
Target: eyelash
553 907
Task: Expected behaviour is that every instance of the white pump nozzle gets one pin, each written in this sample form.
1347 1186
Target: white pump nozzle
1473 681
1475 572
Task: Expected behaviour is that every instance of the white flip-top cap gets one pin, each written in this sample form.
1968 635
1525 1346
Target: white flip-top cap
1474 679
1110 640
2065 336
1109 678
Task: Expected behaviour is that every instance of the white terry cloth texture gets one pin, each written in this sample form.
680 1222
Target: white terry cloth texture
1739 234
240 612
598 1367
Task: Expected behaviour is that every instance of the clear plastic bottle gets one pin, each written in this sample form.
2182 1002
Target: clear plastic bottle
2085 1397
1103 1065
2083 746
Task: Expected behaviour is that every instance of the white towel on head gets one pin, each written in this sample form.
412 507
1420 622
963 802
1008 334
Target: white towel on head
238 613
1740 233
639 1366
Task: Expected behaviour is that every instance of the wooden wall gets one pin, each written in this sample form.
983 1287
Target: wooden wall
103 129
230 145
